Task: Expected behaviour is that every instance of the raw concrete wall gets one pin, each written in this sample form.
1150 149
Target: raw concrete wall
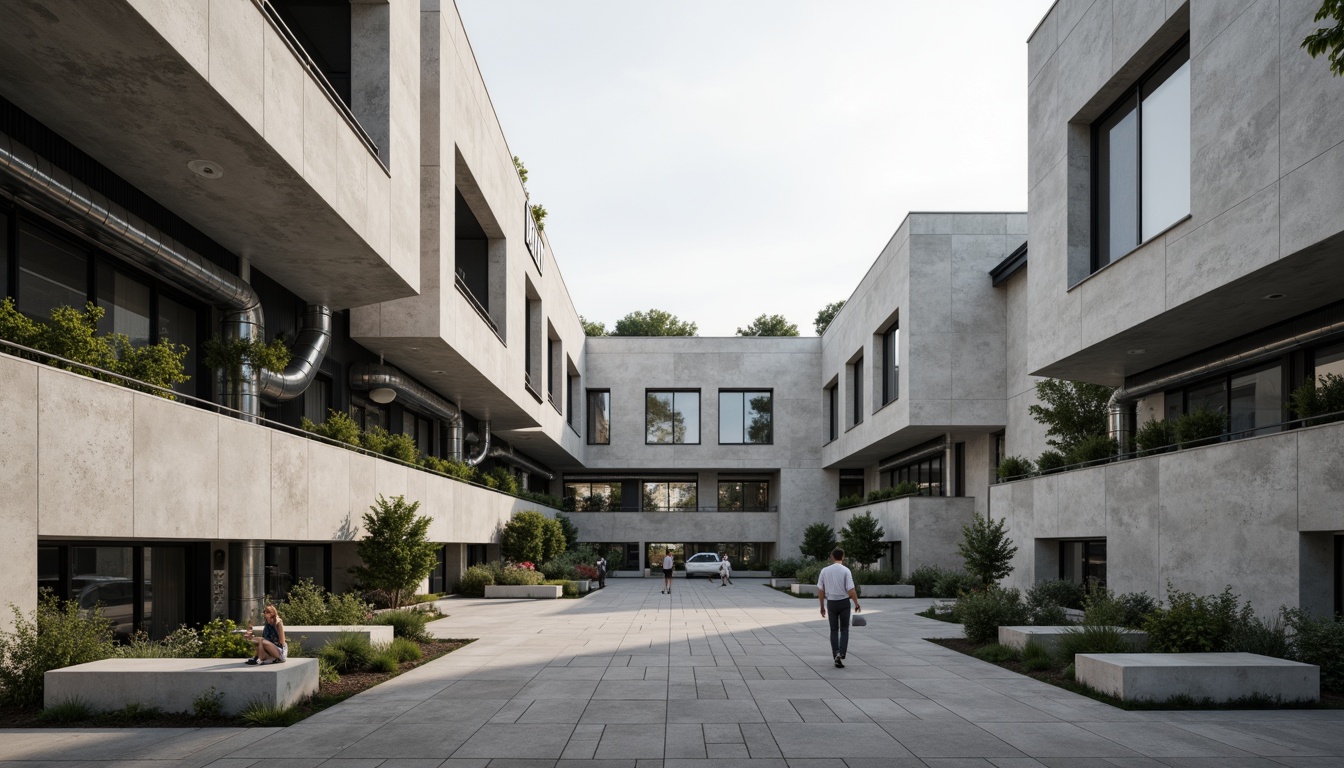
928 527
1255 514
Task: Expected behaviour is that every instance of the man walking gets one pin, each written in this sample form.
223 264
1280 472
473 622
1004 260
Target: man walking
601 572
835 588
667 571
725 572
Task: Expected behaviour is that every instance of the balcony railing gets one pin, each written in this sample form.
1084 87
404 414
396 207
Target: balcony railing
570 507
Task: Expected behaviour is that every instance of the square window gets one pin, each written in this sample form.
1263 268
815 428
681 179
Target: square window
672 417
746 417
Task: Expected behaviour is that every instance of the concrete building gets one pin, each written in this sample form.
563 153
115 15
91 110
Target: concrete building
335 175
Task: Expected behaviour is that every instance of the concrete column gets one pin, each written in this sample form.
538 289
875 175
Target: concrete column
455 564
252 592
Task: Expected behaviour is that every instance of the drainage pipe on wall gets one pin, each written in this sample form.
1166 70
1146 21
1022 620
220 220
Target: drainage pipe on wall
1120 415
38 184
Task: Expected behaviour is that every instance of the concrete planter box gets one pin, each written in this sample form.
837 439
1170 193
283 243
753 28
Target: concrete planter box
1018 637
1217 676
538 592
314 637
172 684
585 585
803 589
782 582
886 590
751 574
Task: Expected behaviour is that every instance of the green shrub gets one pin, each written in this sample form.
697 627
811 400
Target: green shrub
785 568
1095 638
58 634
808 574
1155 436
338 426
218 641
520 577
405 624
1203 427
845 502
326 671
71 710
1103 608
1061 592
1068 672
1189 623
1036 657
568 587
347 653
955 583
134 713
996 654
475 580
982 613
385 662
818 541
1091 450
501 478
1264 636
924 578
1049 616
1050 462
269 716
182 643
305 605
405 650
900 490
876 578
1321 396
1319 641
532 537
209 703
1015 467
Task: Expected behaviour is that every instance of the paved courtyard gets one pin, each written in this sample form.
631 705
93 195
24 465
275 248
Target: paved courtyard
710 677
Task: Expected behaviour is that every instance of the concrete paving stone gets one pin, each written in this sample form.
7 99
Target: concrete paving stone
223 762
994 708
649 660
874 689
814 711
410 762
847 711
354 762
1058 740
685 740
723 733
727 763
631 689
418 740
580 749
712 689
949 739
482 689
517 762
717 673
698 711
534 740
637 741
622 673
504 671
574 673
881 762
1220 762
817 762
565 763
760 740
721 751
550 711
792 689
441 709
621 711
681 691
308 741
572 690
836 740
1163 741
1253 739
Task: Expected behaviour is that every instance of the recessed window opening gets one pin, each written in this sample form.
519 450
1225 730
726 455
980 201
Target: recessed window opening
851 483
1083 562
832 412
1253 401
927 473
592 496
471 247
856 392
669 495
744 495
1141 160
746 417
599 417
891 364
672 417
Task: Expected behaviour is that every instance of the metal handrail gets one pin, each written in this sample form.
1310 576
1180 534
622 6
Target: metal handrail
569 508
222 410
273 17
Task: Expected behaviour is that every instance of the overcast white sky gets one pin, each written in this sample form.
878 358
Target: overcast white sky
720 160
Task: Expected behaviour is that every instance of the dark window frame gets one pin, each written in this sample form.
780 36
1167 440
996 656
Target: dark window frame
699 411
891 364
744 391
908 473
718 496
1283 363
856 392
833 412
592 431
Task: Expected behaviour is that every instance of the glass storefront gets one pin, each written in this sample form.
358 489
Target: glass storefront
149 589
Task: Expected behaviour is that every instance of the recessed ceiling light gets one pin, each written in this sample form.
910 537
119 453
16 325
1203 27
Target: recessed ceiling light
1136 351
1275 296
206 169
438 371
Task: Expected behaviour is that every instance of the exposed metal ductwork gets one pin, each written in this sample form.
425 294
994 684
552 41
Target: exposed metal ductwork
506 455
476 460
1120 408
366 378
41 186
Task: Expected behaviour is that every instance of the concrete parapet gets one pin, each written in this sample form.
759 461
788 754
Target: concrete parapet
1018 637
886 590
803 589
173 684
1217 676
538 592
314 637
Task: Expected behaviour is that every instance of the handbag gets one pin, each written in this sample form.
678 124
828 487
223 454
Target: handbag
858 621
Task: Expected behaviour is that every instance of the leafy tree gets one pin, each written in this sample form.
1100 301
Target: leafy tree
825 315
769 325
591 328
655 322
570 531
987 550
532 537
861 539
1073 411
521 169
396 551
1329 39
818 541
539 216
230 354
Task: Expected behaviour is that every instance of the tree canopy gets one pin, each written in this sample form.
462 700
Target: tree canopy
769 325
655 322
987 550
396 553
825 315
861 539
1072 411
818 541
1329 40
532 537
592 328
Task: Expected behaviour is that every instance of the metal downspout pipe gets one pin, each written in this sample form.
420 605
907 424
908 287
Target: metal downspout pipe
41 186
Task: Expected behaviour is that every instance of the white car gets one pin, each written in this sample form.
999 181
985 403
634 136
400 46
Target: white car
702 564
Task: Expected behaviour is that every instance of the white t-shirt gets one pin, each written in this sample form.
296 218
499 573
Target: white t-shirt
667 562
835 581
724 567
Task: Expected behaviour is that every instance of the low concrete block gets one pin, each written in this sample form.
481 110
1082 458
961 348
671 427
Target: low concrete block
1216 676
803 589
886 590
538 592
782 582
172 684
313 637
1018 637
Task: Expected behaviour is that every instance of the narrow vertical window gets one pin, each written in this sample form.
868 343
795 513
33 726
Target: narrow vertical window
599 417
857 392
891 364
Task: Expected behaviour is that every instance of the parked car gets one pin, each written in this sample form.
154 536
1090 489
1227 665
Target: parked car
702 564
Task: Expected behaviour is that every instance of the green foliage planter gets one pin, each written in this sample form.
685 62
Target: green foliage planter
1155 436
861 539
1203 427
1015 468
1314 399
57 634
230 355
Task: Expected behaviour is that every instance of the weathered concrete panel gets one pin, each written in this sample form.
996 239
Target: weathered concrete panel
86 450
18 485
176 474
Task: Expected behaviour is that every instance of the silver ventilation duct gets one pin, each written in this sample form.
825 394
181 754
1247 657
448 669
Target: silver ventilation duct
40 185
476 460
365 378
507 456
1120 408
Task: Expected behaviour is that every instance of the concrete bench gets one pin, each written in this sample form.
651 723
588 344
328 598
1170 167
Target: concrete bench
783 582
313 637
886 590
538 592
803 589
1217 676
1018 637
173 684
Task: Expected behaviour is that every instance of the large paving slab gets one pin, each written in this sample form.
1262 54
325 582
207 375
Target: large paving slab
707 677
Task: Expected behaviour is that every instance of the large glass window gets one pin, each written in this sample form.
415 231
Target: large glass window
851 483
672 417
1257 402
891 364
668 496
288 564
105 576
599 417
746 417
744 496
1141 157
856 393
1083 562
926 473
833 412
1328 360
177 323
4 256
594 496
126 302
420 429
317 400
52 273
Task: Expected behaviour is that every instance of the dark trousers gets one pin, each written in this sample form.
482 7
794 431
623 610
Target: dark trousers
601 579
837 612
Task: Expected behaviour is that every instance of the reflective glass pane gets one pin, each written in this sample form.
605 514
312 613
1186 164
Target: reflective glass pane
165 597
857 392
659 417
1117 185
279 573
126 302
1329 361
655 497
311 563
177 323
759 418
52 273
49 569
756 496
682 496
104 576
730 417
730 497
1166 152
1211 397
1257 401
686 421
